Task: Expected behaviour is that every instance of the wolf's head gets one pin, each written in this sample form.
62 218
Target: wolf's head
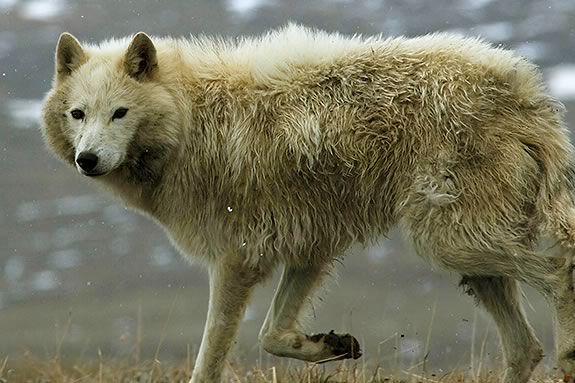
108 109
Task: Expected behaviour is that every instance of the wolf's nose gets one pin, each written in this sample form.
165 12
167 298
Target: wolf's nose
87 161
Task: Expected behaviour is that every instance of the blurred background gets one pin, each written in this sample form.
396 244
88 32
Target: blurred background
79 273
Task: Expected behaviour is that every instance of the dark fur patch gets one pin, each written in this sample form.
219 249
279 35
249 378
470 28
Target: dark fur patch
145 164
465 285
569 355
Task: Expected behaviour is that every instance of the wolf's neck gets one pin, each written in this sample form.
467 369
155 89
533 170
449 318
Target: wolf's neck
134 193
153 163
191 171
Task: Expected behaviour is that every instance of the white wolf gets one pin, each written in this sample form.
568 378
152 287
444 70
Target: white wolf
285 149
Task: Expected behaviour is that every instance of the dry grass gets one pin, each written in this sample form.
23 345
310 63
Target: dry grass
57 369
32 370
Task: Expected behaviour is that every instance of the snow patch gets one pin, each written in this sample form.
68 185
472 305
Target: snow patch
6 5
245 7
45 280
561 80
531 50
25 112
65 206
162 256
500 31
14 268
65 259
475 4
42 9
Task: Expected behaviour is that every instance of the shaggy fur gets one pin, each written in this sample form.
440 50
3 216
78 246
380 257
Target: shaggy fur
286 149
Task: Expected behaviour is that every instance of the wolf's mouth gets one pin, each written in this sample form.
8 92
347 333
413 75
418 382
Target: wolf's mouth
92 174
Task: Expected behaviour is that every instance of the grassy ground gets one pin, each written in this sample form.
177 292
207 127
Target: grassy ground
33 370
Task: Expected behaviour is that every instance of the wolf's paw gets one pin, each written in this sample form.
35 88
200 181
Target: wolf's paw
520 367
567 365
342 346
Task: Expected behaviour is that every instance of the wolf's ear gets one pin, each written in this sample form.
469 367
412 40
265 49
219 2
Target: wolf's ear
140 61
69 55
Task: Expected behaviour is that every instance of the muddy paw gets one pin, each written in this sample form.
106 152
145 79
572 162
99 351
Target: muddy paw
567 365
345 346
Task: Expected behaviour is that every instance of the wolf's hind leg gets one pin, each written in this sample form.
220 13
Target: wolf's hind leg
281 334
551 276
500 297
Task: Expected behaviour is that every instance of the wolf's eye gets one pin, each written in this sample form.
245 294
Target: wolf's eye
77 114
119 113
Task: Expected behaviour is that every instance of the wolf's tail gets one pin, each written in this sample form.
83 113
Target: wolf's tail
547 142
555 156
561 213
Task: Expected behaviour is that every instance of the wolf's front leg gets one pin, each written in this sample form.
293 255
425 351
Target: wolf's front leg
281 334
231 284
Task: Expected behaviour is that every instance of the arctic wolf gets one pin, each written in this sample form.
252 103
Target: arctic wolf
285 149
